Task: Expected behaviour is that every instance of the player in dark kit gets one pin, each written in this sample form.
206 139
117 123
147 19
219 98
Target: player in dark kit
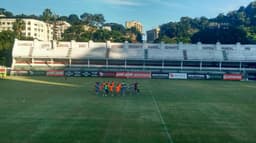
97 87
136 89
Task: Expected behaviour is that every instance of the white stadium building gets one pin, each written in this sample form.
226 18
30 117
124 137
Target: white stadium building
39 55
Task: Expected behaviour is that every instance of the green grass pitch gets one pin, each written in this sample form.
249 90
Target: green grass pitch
55 110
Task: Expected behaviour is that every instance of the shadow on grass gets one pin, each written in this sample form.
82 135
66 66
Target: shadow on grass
29 80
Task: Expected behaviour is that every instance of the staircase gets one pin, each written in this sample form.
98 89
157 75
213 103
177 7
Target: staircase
69 52
225 57
185 55
146 54
107 52
31 51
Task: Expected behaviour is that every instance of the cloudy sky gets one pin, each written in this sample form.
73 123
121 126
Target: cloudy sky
150 13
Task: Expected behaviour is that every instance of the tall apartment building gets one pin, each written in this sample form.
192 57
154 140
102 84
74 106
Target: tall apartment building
136 24
59 28
6 24
153 34
36 29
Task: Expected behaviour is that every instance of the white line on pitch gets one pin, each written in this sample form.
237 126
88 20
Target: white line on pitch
162 120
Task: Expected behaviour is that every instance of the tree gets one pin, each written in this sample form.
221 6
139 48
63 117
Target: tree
73 19
117 36
101 35
134 35
99 20
47 15
224 35
6 45
63 18
5 12
74 33
18 27
116 27
96 20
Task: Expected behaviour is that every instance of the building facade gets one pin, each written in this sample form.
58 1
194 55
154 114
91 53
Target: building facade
136 24
108 28
59 28
36 29
6 24
153 34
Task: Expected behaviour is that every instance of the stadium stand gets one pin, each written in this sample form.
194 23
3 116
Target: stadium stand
117 51
135 51
161 52
23 49
249 55
48 50
37 54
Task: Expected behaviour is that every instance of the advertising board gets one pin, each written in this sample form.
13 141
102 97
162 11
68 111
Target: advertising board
107 74
159 75
19 72
91 73
140 75
37 73
78 73
178 76
214 76
232 77
196 76
55 73
251 76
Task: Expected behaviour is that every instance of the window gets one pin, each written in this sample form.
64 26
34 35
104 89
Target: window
29 28
29 33
29 23
35 34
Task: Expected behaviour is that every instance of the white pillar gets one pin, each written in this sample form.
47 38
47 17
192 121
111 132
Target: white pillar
126 45
199 45
218 46
72 44
90 44
108 44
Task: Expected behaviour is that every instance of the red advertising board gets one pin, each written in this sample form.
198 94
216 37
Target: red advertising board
232 77
55 73
2 70
141 75
107 74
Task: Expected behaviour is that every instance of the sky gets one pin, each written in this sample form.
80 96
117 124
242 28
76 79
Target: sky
151 13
